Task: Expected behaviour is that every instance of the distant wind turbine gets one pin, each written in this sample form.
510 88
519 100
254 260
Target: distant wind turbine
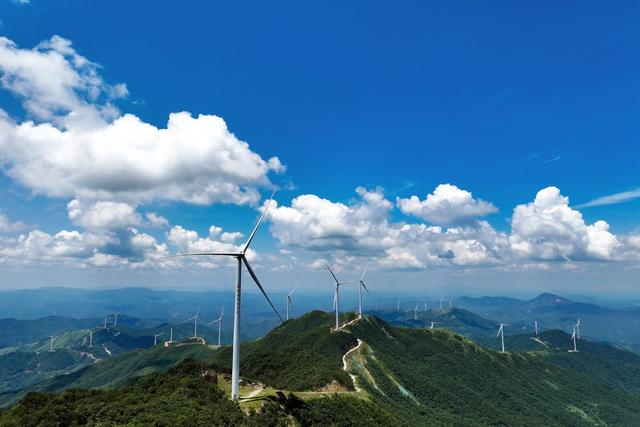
171 335
105 322
578 328
219 321
51 342
442 298
433 324
336 295
195 323
155 338
241 258
426 305
573 338
415 312
115 319
90 338
288 301
398 305
535 323
501 335
361 285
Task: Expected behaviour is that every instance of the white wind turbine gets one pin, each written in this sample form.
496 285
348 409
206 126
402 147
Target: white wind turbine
171 335
501 335
288 301
398 305
442 298
415 312
241 258
51 342
578 328
360 286
155 338
535 323
336 295
219 321
105 322
426 305
433 324
90 338
573 338
195 323
115 319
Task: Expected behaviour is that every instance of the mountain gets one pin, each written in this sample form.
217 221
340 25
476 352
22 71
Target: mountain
369 371
188 395
617 326
456 319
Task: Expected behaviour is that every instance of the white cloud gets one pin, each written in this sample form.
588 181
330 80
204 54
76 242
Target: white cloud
156 220
447 205
612 199
548 229
82 147
7 226
103 215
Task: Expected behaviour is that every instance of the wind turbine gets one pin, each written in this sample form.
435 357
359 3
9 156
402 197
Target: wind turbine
288 300
578 328
501 335
171 335
195 323
573 338
415 312
441 302
155 338
426 305
105 322
535 323
51 343
336 295
90 338
115 319
433 324
360 286
398 305
241 258
219 320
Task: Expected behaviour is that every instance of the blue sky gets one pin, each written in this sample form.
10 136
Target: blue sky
500 101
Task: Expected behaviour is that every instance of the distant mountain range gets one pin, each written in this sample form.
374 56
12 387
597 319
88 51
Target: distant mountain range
617 326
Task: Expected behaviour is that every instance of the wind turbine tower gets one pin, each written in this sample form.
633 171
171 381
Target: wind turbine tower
155 338
90 338
535 324
501 335
288 301
336 295
241 258
442 298
361 285
219 321
573 338
195 322
51 342
398 305
415 312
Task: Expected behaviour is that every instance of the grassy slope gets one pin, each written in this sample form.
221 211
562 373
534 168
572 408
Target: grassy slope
121 369
298 355
185 396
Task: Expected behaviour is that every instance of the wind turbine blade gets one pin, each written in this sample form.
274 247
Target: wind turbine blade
365 288
209 254
255 279
364 271
293 290
255 229
213 321
189 319
289 300
331 271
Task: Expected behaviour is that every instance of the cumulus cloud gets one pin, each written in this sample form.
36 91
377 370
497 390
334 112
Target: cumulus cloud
363 228
103 215
80 146
447 205
7 226
549 229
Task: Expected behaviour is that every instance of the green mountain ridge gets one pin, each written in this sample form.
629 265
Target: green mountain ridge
394 375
